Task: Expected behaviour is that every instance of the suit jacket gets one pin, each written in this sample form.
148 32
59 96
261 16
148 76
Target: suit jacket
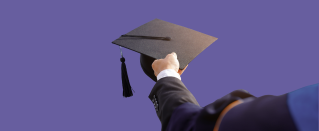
178 110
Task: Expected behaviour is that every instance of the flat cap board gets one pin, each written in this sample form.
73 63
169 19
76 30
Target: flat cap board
185 42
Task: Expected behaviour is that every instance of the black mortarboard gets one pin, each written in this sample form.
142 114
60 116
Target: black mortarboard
157 38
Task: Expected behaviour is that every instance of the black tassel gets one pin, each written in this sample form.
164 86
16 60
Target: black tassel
127 89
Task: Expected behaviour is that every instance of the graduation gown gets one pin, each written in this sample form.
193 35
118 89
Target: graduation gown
178 110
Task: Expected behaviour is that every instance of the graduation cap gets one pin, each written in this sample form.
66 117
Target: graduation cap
157 38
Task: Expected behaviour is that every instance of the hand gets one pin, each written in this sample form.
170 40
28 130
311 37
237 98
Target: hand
169 62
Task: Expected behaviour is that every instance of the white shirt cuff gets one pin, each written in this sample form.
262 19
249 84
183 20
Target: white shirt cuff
168 72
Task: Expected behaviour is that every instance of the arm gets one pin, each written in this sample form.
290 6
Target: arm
169 92
175 105
178 109
296 110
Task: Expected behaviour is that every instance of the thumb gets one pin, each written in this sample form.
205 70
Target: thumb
173 53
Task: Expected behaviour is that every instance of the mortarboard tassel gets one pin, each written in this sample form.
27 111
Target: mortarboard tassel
127 89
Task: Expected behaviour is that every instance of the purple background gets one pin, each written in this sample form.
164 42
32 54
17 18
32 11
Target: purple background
59 70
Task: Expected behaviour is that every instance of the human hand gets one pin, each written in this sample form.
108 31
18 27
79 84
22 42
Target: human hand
169 62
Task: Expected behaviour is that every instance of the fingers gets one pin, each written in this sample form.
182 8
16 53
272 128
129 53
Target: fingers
172 55
154 67
154 63
169 62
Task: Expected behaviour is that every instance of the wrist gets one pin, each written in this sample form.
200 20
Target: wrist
170 67
168 73
162 69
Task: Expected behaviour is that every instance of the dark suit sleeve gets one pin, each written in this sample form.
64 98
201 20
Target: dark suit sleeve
167 94
178 109
265 113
